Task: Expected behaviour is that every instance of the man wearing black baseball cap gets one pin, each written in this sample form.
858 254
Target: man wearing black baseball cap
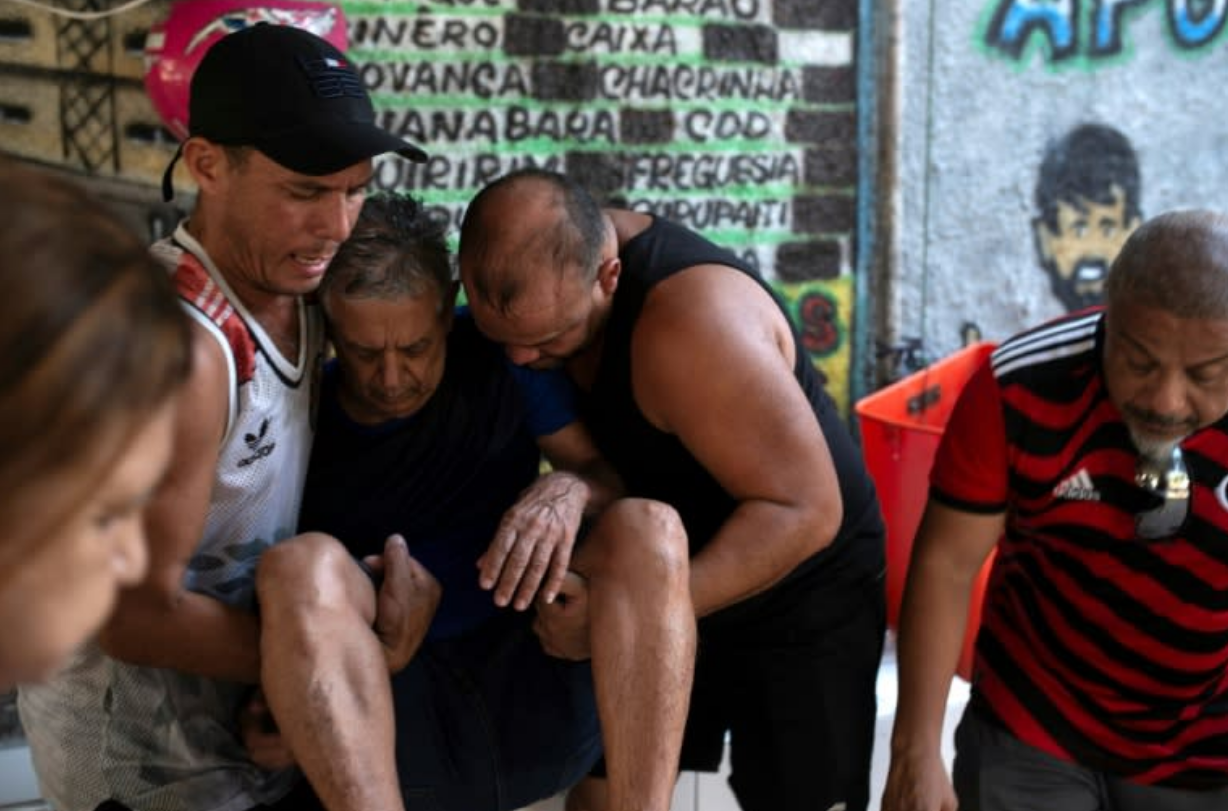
282 137
290 95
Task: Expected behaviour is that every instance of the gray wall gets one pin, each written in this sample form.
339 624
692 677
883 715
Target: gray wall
984 86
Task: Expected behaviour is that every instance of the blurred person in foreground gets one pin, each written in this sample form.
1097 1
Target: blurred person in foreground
93 350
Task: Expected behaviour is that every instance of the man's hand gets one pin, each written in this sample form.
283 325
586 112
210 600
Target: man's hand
918 784
260 735
532 548
406 602
562 625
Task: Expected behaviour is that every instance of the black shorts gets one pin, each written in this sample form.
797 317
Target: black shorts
797 698
488 721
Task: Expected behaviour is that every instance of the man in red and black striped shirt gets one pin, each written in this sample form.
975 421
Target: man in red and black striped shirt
1092 452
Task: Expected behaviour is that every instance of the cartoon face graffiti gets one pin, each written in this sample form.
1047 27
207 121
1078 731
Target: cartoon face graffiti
1087 203
1077 253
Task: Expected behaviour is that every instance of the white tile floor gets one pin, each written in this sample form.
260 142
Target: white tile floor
709 792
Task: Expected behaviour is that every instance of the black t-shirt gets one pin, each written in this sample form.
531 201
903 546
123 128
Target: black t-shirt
442 477
656 465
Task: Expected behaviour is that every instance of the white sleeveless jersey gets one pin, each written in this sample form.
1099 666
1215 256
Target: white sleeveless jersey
157 739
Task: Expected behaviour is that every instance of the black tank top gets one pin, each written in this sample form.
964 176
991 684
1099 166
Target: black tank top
655 464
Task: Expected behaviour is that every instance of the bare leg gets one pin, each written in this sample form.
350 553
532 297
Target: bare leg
642 632
325 675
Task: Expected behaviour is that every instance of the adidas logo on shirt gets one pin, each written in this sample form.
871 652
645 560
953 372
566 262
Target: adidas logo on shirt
1078 487
256 442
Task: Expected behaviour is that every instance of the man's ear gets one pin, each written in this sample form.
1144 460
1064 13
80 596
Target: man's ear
607 274
206 161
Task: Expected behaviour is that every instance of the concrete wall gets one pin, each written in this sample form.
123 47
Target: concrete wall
986 90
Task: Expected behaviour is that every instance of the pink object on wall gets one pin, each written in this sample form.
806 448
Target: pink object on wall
174 46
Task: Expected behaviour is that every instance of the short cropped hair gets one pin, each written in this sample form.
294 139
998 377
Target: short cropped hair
397 248
1176 262
573 243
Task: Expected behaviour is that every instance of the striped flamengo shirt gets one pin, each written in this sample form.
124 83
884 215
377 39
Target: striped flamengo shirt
1096 647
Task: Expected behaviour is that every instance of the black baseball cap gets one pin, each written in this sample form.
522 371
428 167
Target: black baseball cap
291 95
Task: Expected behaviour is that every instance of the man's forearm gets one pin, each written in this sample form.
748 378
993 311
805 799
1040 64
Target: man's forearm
756 548
192 633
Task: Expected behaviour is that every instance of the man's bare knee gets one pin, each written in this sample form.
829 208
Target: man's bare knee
312 571
635 537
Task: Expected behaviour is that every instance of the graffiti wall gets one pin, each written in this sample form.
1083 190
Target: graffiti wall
735 117
1034 136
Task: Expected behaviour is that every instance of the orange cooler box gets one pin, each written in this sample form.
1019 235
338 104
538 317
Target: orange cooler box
901 425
